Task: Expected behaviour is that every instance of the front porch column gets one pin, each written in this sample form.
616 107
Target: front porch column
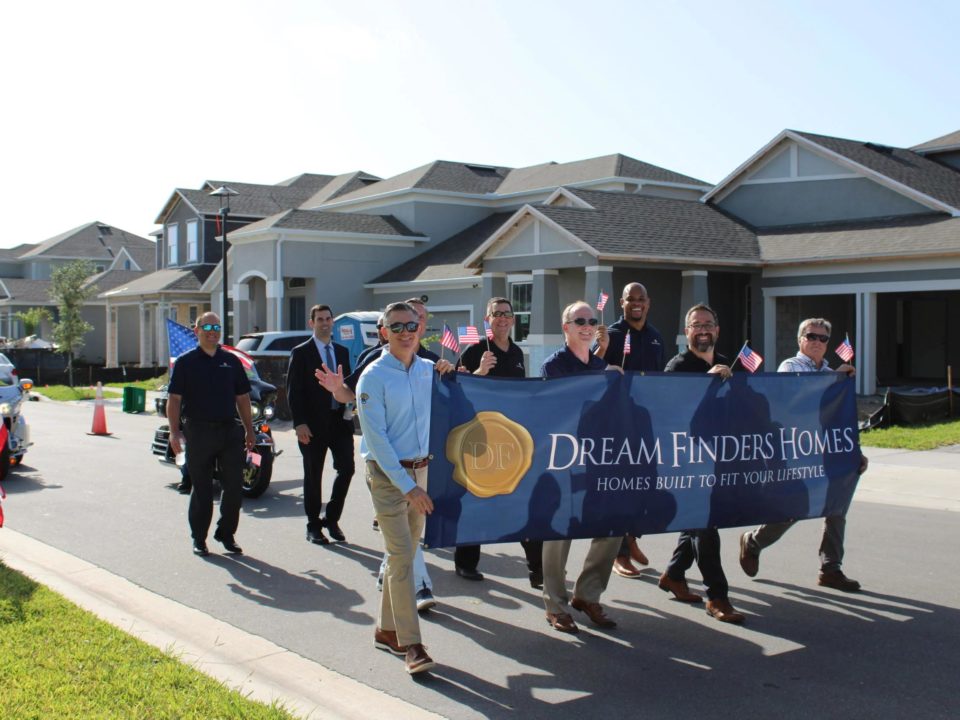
241 310
494 285
865 344
546 332
144 329
692 291
769 329
597 278
111 360
274 305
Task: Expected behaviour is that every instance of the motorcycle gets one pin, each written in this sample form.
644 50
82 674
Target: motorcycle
17 430
258 468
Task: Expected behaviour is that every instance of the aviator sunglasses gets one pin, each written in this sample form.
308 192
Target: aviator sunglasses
585 321
817 336
207 327
398 327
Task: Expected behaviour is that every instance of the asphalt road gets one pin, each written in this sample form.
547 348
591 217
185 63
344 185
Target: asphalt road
890 651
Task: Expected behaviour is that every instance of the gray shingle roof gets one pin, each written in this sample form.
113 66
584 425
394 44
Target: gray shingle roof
15 252
321 221
438 175
22 291
167 280
550 175
936 234
445 260
109 279
340 185
903 166
655 228
950 140
93 241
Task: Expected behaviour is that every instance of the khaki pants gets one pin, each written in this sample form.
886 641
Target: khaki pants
594 576
401 526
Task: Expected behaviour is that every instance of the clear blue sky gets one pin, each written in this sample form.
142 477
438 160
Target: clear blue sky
108 106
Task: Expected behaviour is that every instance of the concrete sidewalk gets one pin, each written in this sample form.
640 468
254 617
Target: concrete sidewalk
265 671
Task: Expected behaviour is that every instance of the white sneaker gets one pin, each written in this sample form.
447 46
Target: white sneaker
425 600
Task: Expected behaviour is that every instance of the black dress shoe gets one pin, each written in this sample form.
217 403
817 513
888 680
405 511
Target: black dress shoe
228 543
200 548
335 532
536 579
184 488
467 574
316 537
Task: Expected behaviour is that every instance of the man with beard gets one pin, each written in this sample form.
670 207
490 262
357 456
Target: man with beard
702 329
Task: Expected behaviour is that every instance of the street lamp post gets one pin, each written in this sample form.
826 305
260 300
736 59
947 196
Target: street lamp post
224 193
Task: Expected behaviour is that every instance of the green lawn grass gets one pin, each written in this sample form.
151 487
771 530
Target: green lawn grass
58 661
916 437
65 392
149 384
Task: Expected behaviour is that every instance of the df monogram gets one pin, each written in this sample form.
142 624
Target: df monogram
490 454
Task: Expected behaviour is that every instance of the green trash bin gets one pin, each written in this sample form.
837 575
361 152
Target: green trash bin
134 399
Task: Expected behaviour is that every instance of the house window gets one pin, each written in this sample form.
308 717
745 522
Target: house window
521 297
193 244
173 236
193 313
127 264
298 310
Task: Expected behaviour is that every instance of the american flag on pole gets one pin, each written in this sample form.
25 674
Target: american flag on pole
488 330
468 335
845 351
602 301
180 338
750 359
626 345
244 359
449 340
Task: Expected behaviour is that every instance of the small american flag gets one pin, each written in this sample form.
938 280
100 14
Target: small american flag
181 339
845 351
244 359
626 345
602 301
449 340
468 335
750 359
488 330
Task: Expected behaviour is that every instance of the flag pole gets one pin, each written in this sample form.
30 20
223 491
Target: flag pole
737 358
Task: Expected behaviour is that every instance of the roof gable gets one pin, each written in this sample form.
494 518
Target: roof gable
944 143
440 175
93 241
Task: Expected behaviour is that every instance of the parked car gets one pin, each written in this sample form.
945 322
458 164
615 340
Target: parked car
8 372
274 343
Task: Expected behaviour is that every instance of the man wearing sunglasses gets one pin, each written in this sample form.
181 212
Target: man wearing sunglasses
702 328
499 357
394 407
812 337
579 333
209 387
646 355
344 390
319 424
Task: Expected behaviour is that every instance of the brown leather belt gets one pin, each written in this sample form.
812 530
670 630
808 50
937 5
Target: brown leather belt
415 464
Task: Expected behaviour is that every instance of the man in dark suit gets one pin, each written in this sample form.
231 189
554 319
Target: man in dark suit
320 426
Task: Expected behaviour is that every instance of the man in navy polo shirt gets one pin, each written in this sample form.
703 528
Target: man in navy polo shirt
646 355
209 387
579 332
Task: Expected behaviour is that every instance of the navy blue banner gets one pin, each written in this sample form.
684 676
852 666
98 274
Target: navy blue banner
604 454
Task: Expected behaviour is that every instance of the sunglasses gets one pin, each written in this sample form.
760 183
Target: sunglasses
818 337
585 321
207 327
398 327
501 313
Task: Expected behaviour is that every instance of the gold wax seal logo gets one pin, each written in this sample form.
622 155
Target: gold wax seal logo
490 454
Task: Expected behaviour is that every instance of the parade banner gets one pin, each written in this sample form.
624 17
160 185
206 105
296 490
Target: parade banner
600 455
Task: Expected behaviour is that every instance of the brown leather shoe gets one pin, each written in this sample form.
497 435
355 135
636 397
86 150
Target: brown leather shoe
417 660
679 589
722 610
636 554
387 640
749 560
624 568
838 581
594 611
562 622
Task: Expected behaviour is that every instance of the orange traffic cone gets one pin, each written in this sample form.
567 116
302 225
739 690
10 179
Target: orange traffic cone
99 415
